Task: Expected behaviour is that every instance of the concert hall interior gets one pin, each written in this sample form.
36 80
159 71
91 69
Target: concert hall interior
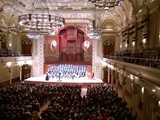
80 59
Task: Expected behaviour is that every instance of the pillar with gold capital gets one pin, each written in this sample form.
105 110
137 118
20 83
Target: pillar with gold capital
117 78
123 82
134 92
109 73
154 107
123 87
113 77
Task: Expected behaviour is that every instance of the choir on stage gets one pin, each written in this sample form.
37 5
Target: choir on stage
66 71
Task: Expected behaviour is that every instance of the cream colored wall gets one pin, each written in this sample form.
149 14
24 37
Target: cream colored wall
154 30
117 43
13 43
15 71
4 74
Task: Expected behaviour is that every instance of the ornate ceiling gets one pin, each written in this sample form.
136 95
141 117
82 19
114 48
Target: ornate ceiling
75 11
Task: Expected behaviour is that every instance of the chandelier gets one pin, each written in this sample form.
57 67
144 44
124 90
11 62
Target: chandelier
94 32
15 30
40 20
105 4
33 35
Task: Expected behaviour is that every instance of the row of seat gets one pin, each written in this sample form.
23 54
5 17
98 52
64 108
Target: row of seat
20 101
146 58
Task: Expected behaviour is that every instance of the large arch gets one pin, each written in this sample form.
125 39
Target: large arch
71 40
109 37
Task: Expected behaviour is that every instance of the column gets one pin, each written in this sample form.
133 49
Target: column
117 78
134 93
20 64
20 73
38 57
10 75
123 88
93 58
118 43
109 73
19 43
113 77
8 64
1 33
9 41
154 107
0 44
123 83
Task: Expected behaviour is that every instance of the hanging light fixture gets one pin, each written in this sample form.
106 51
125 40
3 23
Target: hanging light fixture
105 4
33 35
15 30
40 20
94 32
12 27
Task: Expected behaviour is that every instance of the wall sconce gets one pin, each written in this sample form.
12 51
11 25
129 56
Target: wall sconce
153 90
142 89
126 45
144 40
133 43
136 77
8 64
131 76
159 103
120 46
10 45
20 64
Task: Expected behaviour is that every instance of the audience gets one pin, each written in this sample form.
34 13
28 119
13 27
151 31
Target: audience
24 100
8 53
19 101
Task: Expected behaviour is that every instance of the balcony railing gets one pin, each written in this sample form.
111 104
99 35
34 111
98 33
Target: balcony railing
145 58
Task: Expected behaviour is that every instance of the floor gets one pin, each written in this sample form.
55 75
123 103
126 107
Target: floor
78 80
84 92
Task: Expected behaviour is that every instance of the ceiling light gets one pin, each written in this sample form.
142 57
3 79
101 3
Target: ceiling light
94 32
15 30
106 4
40 19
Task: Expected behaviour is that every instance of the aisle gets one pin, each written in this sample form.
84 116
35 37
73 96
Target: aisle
84 92
44 107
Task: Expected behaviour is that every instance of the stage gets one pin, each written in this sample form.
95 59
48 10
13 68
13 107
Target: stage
84 81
